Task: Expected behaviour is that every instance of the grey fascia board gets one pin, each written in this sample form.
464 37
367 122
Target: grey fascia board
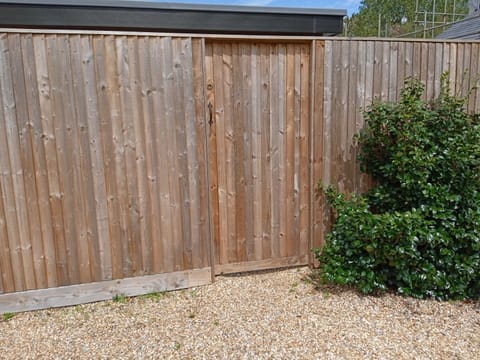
180 6
44 14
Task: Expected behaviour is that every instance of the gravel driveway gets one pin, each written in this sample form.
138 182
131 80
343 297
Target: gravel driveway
269 315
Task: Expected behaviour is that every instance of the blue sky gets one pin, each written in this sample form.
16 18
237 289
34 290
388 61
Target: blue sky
349 5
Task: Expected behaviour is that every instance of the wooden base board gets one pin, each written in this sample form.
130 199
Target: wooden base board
104 290
261 265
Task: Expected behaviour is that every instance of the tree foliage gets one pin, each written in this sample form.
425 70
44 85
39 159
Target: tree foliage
390 13
418 230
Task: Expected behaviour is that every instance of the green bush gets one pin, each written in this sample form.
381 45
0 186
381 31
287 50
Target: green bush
418 231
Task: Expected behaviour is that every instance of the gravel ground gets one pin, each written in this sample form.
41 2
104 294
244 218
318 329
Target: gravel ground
268 315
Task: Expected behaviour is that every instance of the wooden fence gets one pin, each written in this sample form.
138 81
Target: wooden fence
132 163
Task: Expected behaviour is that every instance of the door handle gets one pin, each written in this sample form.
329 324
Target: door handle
210 112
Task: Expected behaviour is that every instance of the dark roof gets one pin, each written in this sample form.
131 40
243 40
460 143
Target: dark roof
171 17
468 28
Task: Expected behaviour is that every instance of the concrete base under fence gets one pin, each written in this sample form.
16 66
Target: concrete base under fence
104 290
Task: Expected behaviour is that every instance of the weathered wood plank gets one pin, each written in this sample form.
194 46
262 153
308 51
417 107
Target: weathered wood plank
182 240
274 122
127 142
39 160
25 125
262 265
99 246
163 146
114 163
143 241
202 244
83 180
239 143
17 203
229 148
151 243
59 70
212 152
255 113
46 108
219 119
318 139
290 148
264 117
12 268
304 166
192 231
7 282
247 97
108 224
100 291
282 154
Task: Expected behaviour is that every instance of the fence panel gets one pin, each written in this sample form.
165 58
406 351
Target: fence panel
259 153
102 158
357 72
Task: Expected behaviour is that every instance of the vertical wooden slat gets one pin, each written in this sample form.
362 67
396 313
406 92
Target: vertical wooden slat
361 85
438 70
151 245
7 282
62 125
304 148
318 138
11 231
274 121
99 246
113 155
264 117
192 231
282 146
143 240
473 77
110 232
25 126
239 143
84 207
182 241
124 68
201 245
466 69
293 242
327 125
408 61
246 66
452 71
18 203
352 109
430 90
255 111
163 259
212 149
175 134
39 161
387 45
290 148
477 78
393 76
402 62
221 151
51 162
228 118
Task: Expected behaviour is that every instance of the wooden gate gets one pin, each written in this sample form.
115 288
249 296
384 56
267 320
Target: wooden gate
258 106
